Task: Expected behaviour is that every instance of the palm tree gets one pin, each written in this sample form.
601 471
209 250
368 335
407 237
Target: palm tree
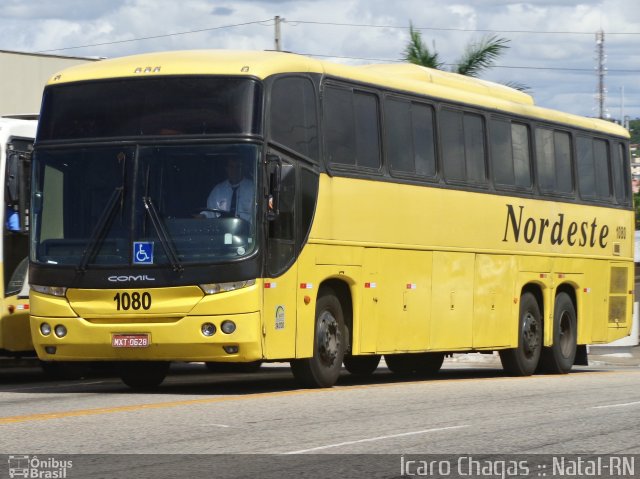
477 56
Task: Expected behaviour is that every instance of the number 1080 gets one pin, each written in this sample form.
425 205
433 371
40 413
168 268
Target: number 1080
135 301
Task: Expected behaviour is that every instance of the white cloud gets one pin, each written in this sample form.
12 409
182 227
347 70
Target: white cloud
36 25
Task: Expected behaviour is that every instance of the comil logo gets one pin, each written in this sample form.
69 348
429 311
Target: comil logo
124 279
36 468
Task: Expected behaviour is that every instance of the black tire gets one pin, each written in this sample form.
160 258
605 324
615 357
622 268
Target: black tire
559 358
402 364
429 363
251 367
361 365
323 368
65 370
143 375
423 364
523 360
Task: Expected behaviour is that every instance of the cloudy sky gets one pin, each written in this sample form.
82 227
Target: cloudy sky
552 42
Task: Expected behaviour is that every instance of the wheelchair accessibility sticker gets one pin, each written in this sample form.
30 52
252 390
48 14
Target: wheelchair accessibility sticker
142 252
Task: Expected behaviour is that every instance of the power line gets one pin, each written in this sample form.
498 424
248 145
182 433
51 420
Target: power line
269 22
156 36
512 67
450 29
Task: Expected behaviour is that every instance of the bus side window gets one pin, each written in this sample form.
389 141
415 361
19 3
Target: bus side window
621 171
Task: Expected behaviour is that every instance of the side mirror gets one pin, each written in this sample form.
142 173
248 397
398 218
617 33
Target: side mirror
274 176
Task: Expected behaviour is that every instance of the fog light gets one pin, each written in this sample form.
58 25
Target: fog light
50 349
45 329
230 349
208 329
228 327
60 331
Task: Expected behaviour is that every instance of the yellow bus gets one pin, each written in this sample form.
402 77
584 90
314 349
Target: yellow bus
17 135
241 207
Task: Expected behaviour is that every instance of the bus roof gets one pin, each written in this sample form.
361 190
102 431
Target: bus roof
402 76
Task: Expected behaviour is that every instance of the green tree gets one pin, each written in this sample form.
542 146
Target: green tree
634 126
477 57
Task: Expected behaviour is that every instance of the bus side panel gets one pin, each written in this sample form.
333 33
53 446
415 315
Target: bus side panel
366 321
592 322
404 289
452 307
279 317
493 302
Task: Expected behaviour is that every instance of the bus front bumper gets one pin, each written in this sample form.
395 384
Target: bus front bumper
179 340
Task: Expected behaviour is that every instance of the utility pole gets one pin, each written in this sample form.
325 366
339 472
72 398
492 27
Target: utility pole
622 105
601 93
277 39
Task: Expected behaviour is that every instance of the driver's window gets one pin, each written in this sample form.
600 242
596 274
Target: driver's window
282 228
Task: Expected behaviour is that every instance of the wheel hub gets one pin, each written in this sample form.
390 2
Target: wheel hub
328 338
530 334
566 335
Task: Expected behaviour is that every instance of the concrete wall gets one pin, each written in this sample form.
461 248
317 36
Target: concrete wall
23 76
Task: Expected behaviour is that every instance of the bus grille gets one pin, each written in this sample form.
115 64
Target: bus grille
618 295
618 280
129 320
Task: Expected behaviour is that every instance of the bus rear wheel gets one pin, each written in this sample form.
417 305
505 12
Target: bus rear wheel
323 368
362 365
523 360
559 358
143 375
424 364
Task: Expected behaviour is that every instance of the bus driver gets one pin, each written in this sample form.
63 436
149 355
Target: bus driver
235 194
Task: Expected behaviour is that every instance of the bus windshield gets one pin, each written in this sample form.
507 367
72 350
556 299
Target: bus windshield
145 205
180 105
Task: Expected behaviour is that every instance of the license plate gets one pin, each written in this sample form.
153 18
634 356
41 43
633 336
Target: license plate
130 340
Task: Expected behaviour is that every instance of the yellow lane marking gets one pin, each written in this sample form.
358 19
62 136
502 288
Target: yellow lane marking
274 394
138 407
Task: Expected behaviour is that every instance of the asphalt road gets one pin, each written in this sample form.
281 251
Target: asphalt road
594 410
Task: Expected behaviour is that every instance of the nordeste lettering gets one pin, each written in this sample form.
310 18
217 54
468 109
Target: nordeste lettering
553 231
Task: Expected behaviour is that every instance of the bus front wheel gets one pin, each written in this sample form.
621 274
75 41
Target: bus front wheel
323 368
559 358
523 360
143 375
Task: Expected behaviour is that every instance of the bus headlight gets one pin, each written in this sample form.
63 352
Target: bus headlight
214 288
228 327
45 329
60 331
50 290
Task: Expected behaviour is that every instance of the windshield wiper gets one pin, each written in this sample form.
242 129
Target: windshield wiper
162 234
98 233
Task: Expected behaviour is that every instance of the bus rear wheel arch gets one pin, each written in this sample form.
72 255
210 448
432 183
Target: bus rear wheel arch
560 356
329 345
523 360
